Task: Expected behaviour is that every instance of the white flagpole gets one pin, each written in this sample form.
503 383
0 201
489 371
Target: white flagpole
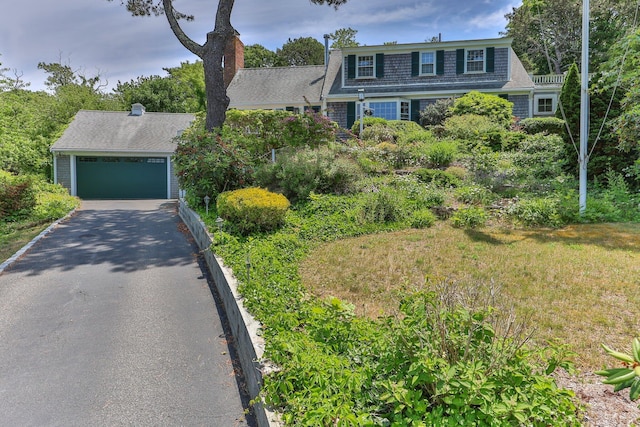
583 158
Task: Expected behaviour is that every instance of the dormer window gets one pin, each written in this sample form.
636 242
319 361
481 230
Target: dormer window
366 66
427 63
475 61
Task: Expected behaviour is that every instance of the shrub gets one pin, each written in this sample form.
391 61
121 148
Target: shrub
496 109
457 171
540 157
548 125
475 131
423 218
53 201
441 154
252 209
310 129
207 165
17 196
416 138
474 195
368 121
539 211
435 114
383 206
257 131
471 217
378 133
437 177
299 172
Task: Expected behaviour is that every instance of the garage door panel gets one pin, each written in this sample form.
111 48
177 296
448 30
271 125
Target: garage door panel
121 177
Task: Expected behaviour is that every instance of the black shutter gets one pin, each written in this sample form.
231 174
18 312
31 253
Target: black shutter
440 62
351 114
379 65
415 110
491 54
351 67
415 64
460 61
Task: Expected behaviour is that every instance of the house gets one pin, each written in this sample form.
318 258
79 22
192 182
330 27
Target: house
397 81
119 154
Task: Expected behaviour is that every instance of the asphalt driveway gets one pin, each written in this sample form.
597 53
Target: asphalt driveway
109 320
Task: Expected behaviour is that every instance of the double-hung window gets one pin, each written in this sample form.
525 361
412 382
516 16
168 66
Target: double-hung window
366 66
427 63
475 61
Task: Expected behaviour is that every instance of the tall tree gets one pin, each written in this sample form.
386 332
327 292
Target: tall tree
211 52
547 34
344 37
301 51
258 56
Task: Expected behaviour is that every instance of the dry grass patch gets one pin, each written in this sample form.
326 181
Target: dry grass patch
579 284
14 236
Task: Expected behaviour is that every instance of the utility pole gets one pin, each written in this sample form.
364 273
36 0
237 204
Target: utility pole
583 158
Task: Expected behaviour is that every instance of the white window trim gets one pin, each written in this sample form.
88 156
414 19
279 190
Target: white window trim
484 61
554 103
435 56
358 76
398 102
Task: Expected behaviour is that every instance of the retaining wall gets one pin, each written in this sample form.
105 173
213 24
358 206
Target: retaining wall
244 327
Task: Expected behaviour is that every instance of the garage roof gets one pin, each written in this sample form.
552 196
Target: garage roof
122 131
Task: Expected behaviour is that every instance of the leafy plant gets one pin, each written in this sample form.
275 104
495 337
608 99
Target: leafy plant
469 217
548 125
17 196
436 113
628 376
423 218
493 107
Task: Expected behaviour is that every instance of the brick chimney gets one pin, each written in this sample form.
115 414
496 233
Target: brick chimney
233 58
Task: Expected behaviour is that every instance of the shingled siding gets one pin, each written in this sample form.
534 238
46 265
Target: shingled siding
173 192
63 166
337 111
397 71
521 105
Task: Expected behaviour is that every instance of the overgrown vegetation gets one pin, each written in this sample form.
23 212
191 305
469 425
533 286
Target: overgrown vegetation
434 359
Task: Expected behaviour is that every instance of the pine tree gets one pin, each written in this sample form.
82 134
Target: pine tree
569 111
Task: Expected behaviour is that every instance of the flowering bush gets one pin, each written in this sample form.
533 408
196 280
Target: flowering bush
309 129
253 209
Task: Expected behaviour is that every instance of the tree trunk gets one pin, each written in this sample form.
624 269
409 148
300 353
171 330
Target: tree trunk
217 99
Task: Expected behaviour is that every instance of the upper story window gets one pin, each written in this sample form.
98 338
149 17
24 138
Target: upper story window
427 63
474 61
366 66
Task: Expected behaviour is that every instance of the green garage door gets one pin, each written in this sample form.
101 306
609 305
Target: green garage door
121 177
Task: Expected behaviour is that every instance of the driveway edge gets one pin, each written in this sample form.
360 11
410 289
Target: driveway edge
35 240
244 327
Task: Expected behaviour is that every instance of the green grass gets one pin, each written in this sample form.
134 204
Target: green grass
578 284
13 236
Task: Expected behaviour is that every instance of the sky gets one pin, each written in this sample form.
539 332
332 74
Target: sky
101 37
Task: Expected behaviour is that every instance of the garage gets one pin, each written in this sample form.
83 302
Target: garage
121 177
120 154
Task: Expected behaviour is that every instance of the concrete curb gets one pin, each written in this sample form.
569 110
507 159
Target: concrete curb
244 327
35 240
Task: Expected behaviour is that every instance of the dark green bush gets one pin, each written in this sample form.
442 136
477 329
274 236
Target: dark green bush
435 114
548 125
17 196
207 165
252 210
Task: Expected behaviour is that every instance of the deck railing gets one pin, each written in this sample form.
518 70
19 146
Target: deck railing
548 79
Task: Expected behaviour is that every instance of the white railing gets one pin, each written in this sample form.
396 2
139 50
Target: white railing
548 79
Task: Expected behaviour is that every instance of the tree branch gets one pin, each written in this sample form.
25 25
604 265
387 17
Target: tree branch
182 37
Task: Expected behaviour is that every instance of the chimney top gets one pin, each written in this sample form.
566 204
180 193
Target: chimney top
137 109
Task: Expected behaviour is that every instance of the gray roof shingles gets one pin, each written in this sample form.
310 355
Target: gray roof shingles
119 131
274 86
